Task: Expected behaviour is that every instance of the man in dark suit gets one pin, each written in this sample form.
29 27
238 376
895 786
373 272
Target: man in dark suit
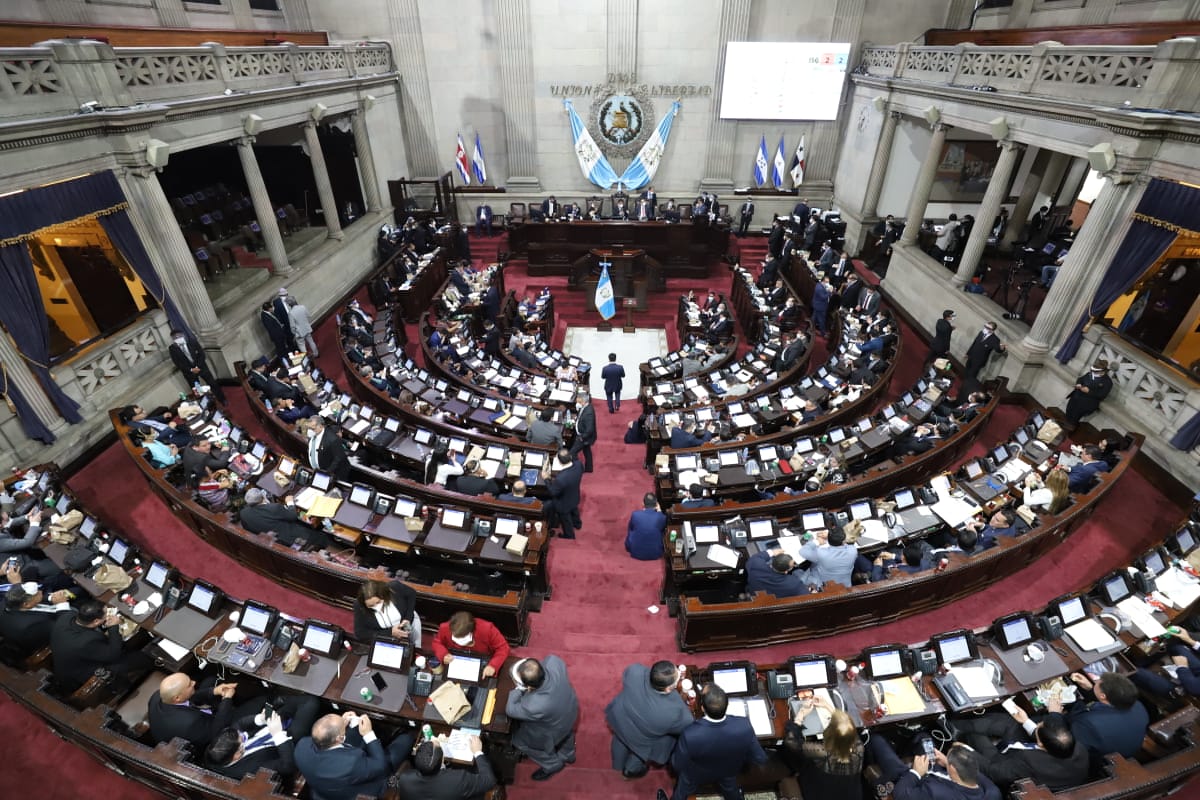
188 358
769 276
644 537
775 239
719 329
685 436
545 704
778 295
244 749
1114 723
643 212
563 507
260 516
651 197
28 617
181 709
961 781
801 212
474 481
431 779
326 451
343 758
459 281
585 430
851 290
550 208
1053 759
620 209
696 499
517 495
201 459
773 571
745 216
978 354
868 301
277 330
1090 390
491 302
646 718
483 220
1083 476
939 345
820 304
714 749
788 318
88 639
790 353
613 373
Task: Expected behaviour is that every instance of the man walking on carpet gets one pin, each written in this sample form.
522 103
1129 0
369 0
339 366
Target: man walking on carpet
613 374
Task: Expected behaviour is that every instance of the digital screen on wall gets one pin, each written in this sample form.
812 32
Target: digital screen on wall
761 80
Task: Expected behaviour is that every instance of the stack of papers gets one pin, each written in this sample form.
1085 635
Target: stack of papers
1178 587
725 556
1089 634
755 710
976 682
1141 614
954 511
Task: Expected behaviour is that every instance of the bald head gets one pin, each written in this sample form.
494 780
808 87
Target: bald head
176 688
328 731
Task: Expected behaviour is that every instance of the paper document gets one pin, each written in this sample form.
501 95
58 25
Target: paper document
175 651
791 545
900 696
954 511
1141 614
755 710
874 532
1089 634
324 506
976 682
457 746
1014 470
307 497
1178 587
493 469
725 556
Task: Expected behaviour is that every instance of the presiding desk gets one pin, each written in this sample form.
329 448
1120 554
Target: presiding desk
685 250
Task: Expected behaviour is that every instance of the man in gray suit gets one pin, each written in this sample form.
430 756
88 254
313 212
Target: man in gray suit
543 430
831 560
545 703
646 718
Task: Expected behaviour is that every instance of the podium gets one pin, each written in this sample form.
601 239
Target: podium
630 304
623 266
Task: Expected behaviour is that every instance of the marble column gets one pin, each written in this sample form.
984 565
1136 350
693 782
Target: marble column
1019 219
879 167
66 11
719 161
366 160
416 105
18 372
515 50
171 14
316 155
1052 177
923 185
988 209
622 36
152 218
1085 265
1077 172
263 210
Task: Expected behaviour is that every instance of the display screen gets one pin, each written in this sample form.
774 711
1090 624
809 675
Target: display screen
1000 454
683 463
388 655
954 649
904 499
453 518
1016 632
318 639
422 436
813 520
1116 589
809 674
836 435
885 664
391 424
974 470
729 458
322 481
861 510
762 528
1154 562
465 668
286 466
405 507
768 453
707 534
119 551
507 526
88 528
360 495
259 450
1071 611
202 599
156 576
534 458
496 453
733 680
255 619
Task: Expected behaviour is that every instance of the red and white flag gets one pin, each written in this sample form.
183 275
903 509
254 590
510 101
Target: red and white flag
463 162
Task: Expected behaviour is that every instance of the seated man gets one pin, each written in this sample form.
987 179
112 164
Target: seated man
696 499
287 410
830 559
1002 523
1083 476
685 436
544 430
260 741
916 557
85 640
474 481
18 539
517 495
259 515
161 421
202 459
477 636
1181 650
28 616
773 571
966 541
1053 759
181 709
644 538
343 758
433 778
961 780
1115 723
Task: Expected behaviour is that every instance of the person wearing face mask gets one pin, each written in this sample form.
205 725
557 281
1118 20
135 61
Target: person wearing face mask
188 358
1090 390
326 451
978 355
465 633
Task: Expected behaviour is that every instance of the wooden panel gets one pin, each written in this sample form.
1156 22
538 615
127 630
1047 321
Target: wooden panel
1134 33
26 34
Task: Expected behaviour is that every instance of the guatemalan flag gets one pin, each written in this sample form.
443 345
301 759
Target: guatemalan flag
779 166
606 304
798 164
592 162
477 165
641 170
761 165
460 161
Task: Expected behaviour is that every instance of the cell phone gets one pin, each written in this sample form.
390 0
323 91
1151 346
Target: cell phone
929 748
268 710
377 679
1010 705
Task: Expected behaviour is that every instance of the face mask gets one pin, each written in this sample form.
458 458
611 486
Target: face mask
464 641
312 434
181 342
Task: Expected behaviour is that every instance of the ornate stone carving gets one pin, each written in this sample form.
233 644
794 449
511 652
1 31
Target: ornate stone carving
113 362
996 65
254 64
1158 396
880 58
29 76
161 70
1096 70
931 59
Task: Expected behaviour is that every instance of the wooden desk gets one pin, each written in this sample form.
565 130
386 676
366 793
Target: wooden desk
685 250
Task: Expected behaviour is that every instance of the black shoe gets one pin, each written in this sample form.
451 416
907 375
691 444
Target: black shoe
565 536
542 775
570 760
661 795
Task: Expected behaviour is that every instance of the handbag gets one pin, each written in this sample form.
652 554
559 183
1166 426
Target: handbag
111 576
292 659
450 701
1026 513
1050 433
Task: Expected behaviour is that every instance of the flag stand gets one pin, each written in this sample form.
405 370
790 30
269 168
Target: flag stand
630 303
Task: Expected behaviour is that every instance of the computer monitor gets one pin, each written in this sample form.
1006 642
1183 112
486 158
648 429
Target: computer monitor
388 654
1038 420
862 509
321 481
884 661
157 575
768 453
837 435
87 528
491 404
286 466
405 507
864 425
1050 248
458 445
63 505
361 495
259 451
1114 588
685 462
1155 562
235 434
953 647
813 520
735 677
973 470
465 668
321 638
736 408
1000 453
118 551
366 412
1183 542
804 445
761 528
454 518
729 458
1070 610
534 459
704 414
507 526
1013 630
257 618
205 598
391 424
495 453
708 534
422 436
904 499
813 672
889 412
1021 436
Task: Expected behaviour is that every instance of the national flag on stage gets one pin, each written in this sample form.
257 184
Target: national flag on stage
798 164
477 165
460 161
606 304
779 166
761 165
641 170
592 163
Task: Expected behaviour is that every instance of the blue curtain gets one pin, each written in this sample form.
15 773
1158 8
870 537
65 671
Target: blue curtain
30 421
34 209
1188 437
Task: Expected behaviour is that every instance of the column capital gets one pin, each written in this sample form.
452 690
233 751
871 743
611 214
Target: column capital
895 115
1008 144
940 126
245 141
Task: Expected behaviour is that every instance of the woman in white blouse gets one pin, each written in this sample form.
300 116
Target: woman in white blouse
387 608
1050 496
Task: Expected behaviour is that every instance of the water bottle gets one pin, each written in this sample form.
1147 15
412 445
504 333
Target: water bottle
366 694
427 732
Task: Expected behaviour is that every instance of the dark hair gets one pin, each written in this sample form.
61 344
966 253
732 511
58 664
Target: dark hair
714 701
696 491
649 501
967 539
1094 452
612 356
837 537
1055 736
546 414
374 588
947 314
531 673
15 597
913 553
662 675
221 749
1009 516
781 562
90 611
965 763
127 414
1118 690
428 758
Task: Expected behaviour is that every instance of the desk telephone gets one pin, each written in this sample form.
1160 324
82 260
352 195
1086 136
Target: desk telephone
482 528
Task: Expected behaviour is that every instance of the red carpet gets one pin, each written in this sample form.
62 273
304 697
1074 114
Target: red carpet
598 619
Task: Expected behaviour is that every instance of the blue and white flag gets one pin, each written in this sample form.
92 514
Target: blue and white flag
592 163
477 165
798 164
606 304
761 165
641 170
779 166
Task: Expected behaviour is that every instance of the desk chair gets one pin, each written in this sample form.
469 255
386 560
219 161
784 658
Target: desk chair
134 710
515 216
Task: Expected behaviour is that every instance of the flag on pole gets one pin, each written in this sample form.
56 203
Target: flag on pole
798 164
779 166
641 170
477 165
592 163
460 161
606 304
760 163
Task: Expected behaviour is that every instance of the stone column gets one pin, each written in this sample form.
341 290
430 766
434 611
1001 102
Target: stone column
66 11
263 210
1073 182
1052 176
622 36
416 106
879 167
171 13
722 134
1084 267
152 218
19 374
321 175
1019 219
366 160
516 93
920 194
996 190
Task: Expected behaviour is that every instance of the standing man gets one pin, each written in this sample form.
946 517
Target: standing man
326 451
188 358
644 214
550 208
483 220
644 539
746 215
939 345
651 197
280 309
646 718
820 304
714 749
276 329
545 704
868 301
947 240
978 354
1090 389
563 506
585 429
301 325
612 374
